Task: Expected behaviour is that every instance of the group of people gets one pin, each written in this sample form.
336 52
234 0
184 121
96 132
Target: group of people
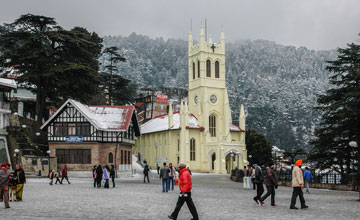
249 175
271 184
101 176
63 174
11 183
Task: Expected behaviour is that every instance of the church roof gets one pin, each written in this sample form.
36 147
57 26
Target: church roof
161 123
103 117
8 83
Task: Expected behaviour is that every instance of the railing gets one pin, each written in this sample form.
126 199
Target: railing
324 178
5 105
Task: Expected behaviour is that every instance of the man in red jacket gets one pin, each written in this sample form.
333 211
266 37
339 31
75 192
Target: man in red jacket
185 186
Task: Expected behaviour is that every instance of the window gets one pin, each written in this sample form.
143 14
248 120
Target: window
64 129
71 129
192 149
217 69
73 156
193 70
198 69
34 162
60 129
111 160
122 157
212 125
208 68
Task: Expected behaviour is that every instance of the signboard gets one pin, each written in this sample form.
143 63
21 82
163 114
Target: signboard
161 160
73 139
161 97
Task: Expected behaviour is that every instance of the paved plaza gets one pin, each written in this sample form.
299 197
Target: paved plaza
215 196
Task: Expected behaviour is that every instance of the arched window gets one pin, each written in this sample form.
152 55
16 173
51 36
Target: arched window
111 160
198 69
217 69
192 149
208 68
212 125
193 69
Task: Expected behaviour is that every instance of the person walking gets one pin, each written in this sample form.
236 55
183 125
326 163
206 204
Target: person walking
249 173
164 175
4 182
64 173
271 185
94 175
185 186
112 175
245 178
253 175
298 184
259 180
57 176
99 174
307 177
106 176
158 169
51 176
172 175
146 173
21 180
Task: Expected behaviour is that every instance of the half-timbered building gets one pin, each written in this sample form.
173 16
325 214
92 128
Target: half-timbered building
82 136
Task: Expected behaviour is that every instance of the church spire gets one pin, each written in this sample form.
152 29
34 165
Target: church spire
242 117
190 41
202 35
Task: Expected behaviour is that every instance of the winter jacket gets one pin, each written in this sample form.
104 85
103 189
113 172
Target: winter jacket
259 177
172 171
308 175
270 179
146 170
164 173
297 177
185 181
12 182
20 175
106 174
64 171
99 173
112 173
4 177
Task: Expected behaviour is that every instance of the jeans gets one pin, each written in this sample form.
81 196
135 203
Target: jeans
270 191
250 182
307 185
146 176
259 190
165 184
297 191
67 179
171 180
190 205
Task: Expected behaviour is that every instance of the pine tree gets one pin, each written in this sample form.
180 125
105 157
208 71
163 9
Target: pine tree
340 109
258 147
53 62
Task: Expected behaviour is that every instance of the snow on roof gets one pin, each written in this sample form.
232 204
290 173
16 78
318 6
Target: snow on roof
10 83
161 123
103 117
235 128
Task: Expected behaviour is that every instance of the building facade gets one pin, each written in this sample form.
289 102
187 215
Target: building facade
6 85
201 134
82 136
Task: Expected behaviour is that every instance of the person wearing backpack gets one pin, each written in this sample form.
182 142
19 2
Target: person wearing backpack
164 175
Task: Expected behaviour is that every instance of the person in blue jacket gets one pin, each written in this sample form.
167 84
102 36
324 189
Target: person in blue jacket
307 177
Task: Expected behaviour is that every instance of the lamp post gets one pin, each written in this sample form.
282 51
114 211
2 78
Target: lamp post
49 152
354 145
17 155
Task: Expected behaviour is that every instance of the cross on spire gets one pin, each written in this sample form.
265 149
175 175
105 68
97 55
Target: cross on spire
213 48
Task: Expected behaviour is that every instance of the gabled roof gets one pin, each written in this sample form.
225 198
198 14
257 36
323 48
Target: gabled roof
102 117
8 83
161 123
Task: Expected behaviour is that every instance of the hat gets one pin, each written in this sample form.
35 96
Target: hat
298 163
182 165
3 164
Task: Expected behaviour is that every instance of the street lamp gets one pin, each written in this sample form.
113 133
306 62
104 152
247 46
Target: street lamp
37 134
354 145
49 152
17 155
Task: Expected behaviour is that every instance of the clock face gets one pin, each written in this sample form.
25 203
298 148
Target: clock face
196 99
213 98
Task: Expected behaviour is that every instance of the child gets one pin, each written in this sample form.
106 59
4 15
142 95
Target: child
58 175
12 187
51 176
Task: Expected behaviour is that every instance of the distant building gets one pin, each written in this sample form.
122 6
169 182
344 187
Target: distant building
201 134
82 136
6 85
151 105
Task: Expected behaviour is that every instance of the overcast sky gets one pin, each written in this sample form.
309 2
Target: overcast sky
316 24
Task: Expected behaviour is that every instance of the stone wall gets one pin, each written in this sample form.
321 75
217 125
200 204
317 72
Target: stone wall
33 164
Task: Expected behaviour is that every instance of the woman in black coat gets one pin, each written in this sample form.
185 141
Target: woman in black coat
99 174
112 175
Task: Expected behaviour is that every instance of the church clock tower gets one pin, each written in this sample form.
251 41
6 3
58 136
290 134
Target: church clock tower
208 99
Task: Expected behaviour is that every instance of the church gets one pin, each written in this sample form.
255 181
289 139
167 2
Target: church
201 134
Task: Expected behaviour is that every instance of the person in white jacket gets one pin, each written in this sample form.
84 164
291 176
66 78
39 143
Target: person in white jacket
298 185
